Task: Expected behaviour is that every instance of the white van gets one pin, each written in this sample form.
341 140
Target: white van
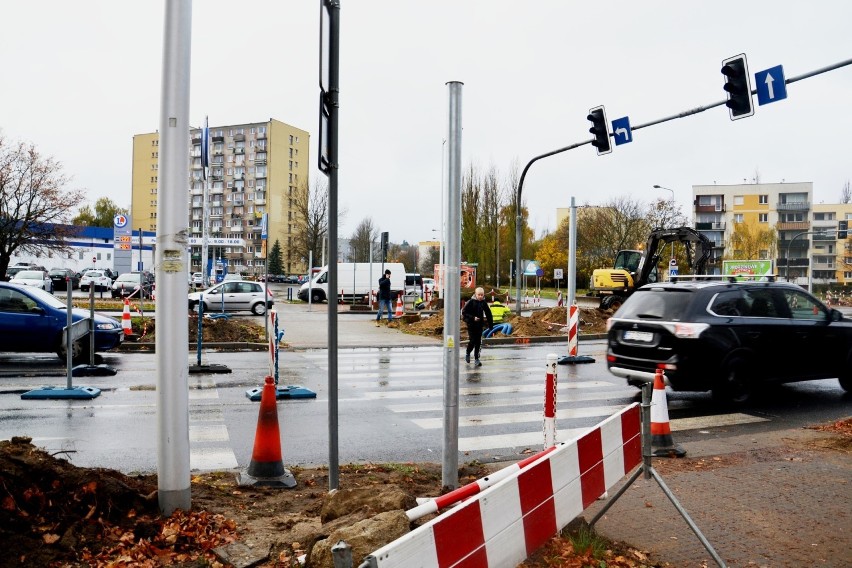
354 279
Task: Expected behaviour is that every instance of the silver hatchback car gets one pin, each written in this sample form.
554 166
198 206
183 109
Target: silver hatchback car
234 296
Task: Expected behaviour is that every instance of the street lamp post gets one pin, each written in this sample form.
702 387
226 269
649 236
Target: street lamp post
671 204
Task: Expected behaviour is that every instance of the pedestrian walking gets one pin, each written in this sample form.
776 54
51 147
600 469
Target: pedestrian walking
384 297
477 316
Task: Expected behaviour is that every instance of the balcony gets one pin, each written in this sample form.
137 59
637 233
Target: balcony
794 206
824 266
781 262
217 138
260 201
260 161
261 135
797 226
239 137
237 229
239 150
713 208
793 244
711 226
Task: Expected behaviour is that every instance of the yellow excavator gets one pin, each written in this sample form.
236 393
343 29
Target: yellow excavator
635 268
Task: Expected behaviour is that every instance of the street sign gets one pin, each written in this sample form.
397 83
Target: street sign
557 274
673 267
771 85
621 131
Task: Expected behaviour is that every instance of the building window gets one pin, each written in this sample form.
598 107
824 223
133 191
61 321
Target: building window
763 199
763 217
738 217
738 200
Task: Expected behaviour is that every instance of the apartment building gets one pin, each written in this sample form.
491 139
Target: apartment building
808 247
254 168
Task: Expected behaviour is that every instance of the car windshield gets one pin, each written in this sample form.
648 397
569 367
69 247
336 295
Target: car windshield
46 298
92 274
57 272
30 275
656 303
128 277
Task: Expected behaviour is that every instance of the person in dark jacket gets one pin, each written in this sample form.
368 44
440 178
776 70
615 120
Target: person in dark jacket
384 297
477 316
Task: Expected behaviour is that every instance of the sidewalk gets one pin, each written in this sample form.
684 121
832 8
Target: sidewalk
777 499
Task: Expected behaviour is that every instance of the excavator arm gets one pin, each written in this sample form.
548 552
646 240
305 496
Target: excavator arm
698 250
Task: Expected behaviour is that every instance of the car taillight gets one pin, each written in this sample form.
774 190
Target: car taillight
689 330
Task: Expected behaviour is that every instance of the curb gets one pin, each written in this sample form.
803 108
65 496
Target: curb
150 347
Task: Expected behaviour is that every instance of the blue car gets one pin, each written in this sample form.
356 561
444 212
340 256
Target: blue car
32 320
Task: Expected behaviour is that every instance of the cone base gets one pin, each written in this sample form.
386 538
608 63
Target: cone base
575 359
667 451
283 481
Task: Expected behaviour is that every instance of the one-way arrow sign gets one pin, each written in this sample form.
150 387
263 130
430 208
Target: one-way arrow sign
771 85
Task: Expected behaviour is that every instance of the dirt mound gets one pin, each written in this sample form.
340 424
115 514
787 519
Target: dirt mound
545 322
212 330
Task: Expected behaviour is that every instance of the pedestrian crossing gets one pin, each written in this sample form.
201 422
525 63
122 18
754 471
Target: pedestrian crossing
500 405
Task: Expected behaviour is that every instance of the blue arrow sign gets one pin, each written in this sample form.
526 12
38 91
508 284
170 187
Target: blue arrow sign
771 85
621 131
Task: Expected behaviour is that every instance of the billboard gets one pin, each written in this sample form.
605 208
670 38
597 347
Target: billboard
751 269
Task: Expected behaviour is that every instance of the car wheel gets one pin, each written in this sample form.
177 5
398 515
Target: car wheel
737 382
258 309
79 352
845 378
317 297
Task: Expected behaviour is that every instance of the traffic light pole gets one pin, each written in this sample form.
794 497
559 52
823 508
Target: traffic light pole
518 207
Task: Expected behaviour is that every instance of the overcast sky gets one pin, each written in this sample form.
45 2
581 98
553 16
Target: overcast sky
81 78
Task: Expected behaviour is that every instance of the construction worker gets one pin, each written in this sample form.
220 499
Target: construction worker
498 311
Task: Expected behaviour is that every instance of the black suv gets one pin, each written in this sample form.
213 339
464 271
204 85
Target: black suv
728 337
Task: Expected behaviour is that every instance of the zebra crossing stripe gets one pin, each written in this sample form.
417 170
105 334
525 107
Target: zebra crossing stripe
519 417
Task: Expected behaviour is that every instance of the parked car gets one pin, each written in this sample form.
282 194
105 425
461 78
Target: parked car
728 337
135 284
18 267
234 296
62 277
35 278
32 320
96 279
197 279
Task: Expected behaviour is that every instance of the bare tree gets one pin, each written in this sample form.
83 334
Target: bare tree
846 193
362 241
312 222
34 203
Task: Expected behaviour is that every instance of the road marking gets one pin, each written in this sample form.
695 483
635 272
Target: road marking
478 390
579 396
519 417
714 421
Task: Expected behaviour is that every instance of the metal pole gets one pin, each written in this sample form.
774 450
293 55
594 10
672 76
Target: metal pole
450 469
173 474
572 258
205 211
443 240
68 323
334 100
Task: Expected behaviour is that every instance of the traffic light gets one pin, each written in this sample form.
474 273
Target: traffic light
842 230
384 246
737 86
600 130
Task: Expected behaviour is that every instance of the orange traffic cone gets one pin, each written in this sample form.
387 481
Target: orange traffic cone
662 444
266 468
125 319
398 313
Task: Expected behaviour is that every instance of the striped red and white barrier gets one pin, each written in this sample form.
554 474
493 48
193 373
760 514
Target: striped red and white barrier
550 402
573 325
507 522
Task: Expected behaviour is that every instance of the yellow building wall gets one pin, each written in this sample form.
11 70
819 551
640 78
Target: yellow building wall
143 198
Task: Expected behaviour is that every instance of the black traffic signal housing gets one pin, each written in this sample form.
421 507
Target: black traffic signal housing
738 87
600 130
385 246
842 230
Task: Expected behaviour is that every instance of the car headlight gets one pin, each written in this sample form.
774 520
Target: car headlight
106 325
